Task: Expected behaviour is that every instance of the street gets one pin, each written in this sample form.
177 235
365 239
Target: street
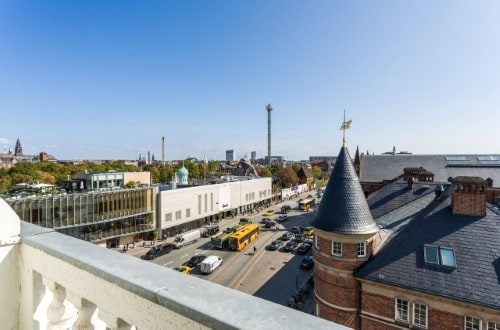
270 275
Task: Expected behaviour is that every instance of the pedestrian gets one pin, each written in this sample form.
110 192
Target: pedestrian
254 249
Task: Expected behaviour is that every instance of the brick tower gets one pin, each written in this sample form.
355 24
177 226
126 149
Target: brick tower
345 238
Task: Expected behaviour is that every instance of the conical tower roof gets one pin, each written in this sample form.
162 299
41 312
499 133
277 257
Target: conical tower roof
343 208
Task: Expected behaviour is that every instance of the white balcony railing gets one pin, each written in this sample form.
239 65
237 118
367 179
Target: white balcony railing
52 281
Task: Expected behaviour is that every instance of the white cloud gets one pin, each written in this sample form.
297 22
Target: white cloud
4 141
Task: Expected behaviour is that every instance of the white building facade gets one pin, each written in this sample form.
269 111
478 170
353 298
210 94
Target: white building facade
199 204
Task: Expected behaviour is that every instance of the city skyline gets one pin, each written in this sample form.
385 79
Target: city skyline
92 80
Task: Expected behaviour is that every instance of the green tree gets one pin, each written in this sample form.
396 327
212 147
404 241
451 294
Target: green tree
317 172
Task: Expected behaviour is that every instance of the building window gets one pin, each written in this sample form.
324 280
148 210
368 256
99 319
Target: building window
316 242
361 249
401 310
178 215
493 326
472 323
168 217
420 315
439 255
431 254
337 248
188 213
199 204
447 257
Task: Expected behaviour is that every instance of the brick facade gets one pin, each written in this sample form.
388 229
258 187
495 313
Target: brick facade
378 310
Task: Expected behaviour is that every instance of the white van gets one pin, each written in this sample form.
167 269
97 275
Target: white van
210 263
186 238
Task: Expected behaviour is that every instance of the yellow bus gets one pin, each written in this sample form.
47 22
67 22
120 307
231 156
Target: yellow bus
241 238
307 203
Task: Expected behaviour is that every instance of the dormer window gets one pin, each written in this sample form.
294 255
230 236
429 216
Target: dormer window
438 255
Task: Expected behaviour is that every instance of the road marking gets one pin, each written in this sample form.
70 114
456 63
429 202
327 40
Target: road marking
184 256
168 263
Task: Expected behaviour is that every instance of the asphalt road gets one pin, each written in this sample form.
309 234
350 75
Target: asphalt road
271 275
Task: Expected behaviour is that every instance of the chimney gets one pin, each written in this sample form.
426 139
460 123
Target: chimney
468 195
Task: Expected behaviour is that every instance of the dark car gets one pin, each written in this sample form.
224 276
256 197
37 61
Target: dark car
286 236
299 238
275 245
157 251
303 248
265 220
195 260
270 224
297 229
307 262
285 209
290 246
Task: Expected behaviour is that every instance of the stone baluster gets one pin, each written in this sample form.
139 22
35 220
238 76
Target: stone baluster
86 310
113 322
59 314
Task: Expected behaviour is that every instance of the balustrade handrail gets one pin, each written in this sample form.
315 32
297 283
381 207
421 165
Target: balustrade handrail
138 292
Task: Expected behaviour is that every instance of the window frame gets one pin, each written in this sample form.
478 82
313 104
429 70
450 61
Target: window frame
442 255
363 247
428 247
472 319
339 246
397 311
426 315
452 255
492 325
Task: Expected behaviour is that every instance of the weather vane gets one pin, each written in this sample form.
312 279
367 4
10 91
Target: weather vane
345 125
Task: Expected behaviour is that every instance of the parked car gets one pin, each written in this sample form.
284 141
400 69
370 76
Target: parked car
297 229
303 248
270 224
290 246
308 231
157 251
275 245
286 236
265 220
195 260
183 269
307 262
299 238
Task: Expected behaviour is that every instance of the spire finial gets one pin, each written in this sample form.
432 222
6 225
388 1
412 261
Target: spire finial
345 125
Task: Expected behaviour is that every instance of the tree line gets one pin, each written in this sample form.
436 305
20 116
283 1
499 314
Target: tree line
55 173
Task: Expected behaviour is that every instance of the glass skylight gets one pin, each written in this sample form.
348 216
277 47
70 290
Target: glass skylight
438 255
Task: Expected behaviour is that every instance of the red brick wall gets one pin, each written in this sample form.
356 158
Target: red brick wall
337 290
337 316
469 204
384 307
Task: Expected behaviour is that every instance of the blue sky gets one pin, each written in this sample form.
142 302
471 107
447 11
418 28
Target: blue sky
107 79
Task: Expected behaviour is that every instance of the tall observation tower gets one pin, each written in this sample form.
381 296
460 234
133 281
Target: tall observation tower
269 108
